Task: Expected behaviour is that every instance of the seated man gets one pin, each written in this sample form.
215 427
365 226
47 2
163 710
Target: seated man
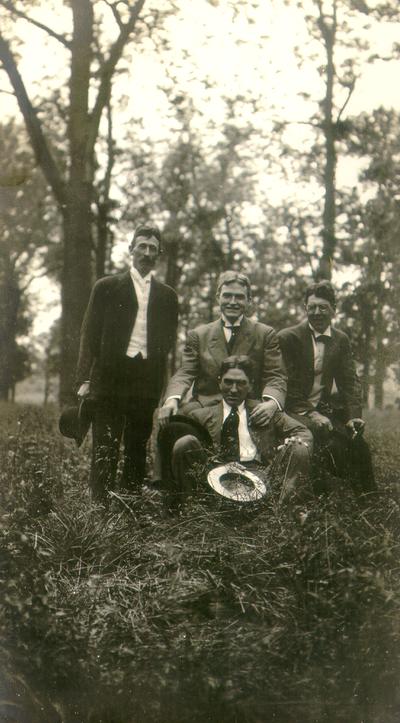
316 356
234 437
206 348
209 344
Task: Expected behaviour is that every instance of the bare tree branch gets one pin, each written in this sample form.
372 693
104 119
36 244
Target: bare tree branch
18 13
115 12
107 72
350 93
39 144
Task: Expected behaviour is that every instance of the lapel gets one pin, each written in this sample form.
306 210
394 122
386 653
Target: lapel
263 437
217 342
153 313
305 335
242 345
213 422
328 364
245 338
127 306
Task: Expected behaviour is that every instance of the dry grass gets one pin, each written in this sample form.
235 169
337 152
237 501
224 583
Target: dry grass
209 616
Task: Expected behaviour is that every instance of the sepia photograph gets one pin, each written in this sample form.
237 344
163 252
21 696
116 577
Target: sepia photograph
200 361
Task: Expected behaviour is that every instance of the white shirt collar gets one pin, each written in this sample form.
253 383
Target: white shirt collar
136 277
227 408
228 323
316 334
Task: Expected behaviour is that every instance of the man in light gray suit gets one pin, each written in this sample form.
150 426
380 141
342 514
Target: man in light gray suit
206 348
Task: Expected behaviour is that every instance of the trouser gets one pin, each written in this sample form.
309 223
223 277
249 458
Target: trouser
132 421
339 455
190 461
128 415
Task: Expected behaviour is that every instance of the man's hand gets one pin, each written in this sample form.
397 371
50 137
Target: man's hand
289 441
84 390
355 427
262 414
321 424
168 408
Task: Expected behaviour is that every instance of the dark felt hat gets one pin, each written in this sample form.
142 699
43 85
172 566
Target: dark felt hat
75 420
188 424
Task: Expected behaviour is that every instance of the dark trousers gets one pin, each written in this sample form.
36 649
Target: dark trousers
167 438
129 416
339 455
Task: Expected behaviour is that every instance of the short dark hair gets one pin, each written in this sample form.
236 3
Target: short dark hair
147 231
230 277
323 289
242 362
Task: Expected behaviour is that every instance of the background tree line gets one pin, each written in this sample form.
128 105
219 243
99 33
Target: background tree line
73 185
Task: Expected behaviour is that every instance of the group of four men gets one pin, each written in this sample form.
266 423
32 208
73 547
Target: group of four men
241 391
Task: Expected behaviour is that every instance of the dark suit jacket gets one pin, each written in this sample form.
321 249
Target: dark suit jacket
265 438
338 365
107 328
206 349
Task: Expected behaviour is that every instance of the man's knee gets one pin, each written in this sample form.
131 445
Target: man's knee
187 443
305 441
301 451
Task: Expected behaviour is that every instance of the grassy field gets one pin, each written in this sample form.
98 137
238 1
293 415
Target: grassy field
206 617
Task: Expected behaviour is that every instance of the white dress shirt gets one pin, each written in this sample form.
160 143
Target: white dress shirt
248 450
138 341
319 353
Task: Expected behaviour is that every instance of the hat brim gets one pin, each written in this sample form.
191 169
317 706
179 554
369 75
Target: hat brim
236 483
75 421
199 430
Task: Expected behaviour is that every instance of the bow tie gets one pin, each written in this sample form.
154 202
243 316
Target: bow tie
324 338
231 327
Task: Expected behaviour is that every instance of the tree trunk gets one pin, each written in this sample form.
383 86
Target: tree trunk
77 278
328 31
102 240
76 285
10 298
380 361
367 321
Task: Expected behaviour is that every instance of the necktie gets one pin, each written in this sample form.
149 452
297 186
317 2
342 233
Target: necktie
234 332
324 338
230 445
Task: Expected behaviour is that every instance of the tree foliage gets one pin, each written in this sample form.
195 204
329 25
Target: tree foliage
27 226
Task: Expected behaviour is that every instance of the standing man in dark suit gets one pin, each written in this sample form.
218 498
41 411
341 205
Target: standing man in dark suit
206 348
234 438
317 356
127 332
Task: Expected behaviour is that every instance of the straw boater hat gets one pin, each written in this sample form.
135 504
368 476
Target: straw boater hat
235 482
75 421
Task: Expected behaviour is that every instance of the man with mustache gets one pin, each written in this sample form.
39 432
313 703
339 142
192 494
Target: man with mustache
127 332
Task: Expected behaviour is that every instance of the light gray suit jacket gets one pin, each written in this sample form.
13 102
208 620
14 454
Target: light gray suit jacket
206 349
265 438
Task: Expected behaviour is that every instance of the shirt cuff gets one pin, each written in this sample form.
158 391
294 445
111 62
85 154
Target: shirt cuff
173 396
268 396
